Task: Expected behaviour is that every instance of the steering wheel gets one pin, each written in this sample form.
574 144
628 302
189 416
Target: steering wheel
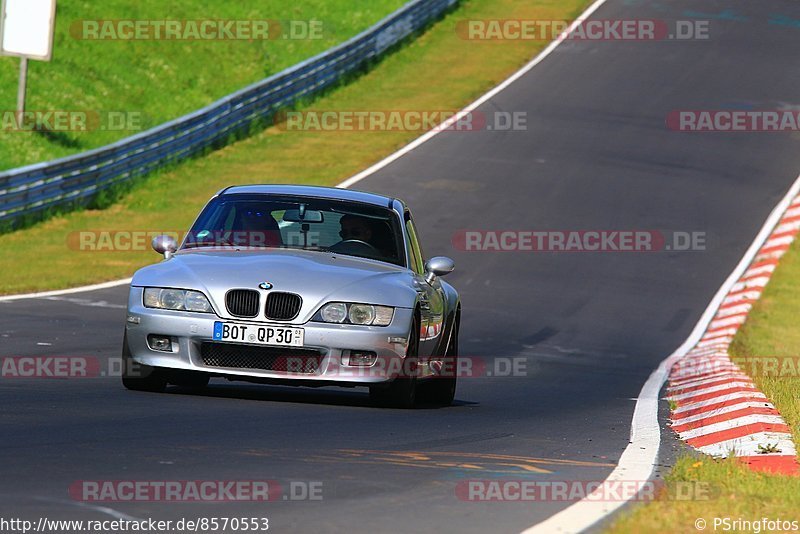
354 242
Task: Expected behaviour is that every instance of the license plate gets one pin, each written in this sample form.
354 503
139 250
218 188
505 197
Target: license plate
258 335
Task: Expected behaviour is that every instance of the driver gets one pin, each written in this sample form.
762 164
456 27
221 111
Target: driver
355 227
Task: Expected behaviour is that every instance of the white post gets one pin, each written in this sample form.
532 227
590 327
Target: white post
23 83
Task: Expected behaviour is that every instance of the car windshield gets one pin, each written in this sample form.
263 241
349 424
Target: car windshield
271 221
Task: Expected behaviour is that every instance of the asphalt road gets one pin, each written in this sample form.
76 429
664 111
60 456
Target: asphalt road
590 327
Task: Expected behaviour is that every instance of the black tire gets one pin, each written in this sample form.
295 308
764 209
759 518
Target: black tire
139 377
189 379
442 389
402 392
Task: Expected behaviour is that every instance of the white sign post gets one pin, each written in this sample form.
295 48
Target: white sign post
26 31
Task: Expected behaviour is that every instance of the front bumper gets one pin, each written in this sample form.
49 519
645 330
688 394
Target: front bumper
188 331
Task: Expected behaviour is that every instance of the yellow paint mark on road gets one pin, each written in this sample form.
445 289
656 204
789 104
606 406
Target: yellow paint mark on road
469 461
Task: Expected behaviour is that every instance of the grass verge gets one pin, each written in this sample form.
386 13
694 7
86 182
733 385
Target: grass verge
132 76
438 71
714 489
770 333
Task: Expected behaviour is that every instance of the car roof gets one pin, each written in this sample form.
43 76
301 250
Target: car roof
333 193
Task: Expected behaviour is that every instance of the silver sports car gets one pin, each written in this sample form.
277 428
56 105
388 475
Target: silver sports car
297 285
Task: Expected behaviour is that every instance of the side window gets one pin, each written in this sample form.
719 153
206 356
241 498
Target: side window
414 252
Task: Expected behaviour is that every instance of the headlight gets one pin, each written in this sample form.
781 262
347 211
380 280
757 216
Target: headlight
362 314
176 299
335 312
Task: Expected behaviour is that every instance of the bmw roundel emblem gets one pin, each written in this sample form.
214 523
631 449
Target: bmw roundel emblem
265 285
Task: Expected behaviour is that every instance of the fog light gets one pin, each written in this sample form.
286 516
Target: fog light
362 358
159 343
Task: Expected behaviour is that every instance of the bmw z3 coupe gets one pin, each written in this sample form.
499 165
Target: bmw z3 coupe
296 285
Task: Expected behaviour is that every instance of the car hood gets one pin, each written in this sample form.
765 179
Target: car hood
316 276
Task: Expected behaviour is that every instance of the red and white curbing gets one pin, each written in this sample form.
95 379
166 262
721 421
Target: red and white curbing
718 409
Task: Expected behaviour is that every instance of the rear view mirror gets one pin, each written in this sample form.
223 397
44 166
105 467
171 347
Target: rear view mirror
308 216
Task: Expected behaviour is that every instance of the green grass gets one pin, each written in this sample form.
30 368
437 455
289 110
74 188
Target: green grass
438 71
770 331
160 80
733 491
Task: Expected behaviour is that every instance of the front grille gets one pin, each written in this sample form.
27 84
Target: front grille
282 306
242 302
231 356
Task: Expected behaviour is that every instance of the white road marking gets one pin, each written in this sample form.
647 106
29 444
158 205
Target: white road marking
733 310
59 292
776 241
641 455
701 381
764 269
731 424
748 445
88 302
717 400
722 411
711 389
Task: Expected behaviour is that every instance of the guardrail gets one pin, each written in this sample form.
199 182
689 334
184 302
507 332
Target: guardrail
72 181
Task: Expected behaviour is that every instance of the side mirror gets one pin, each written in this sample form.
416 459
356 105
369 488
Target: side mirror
164 244
438 266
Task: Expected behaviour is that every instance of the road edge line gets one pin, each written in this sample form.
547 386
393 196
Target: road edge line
59 292
486 96
639 458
